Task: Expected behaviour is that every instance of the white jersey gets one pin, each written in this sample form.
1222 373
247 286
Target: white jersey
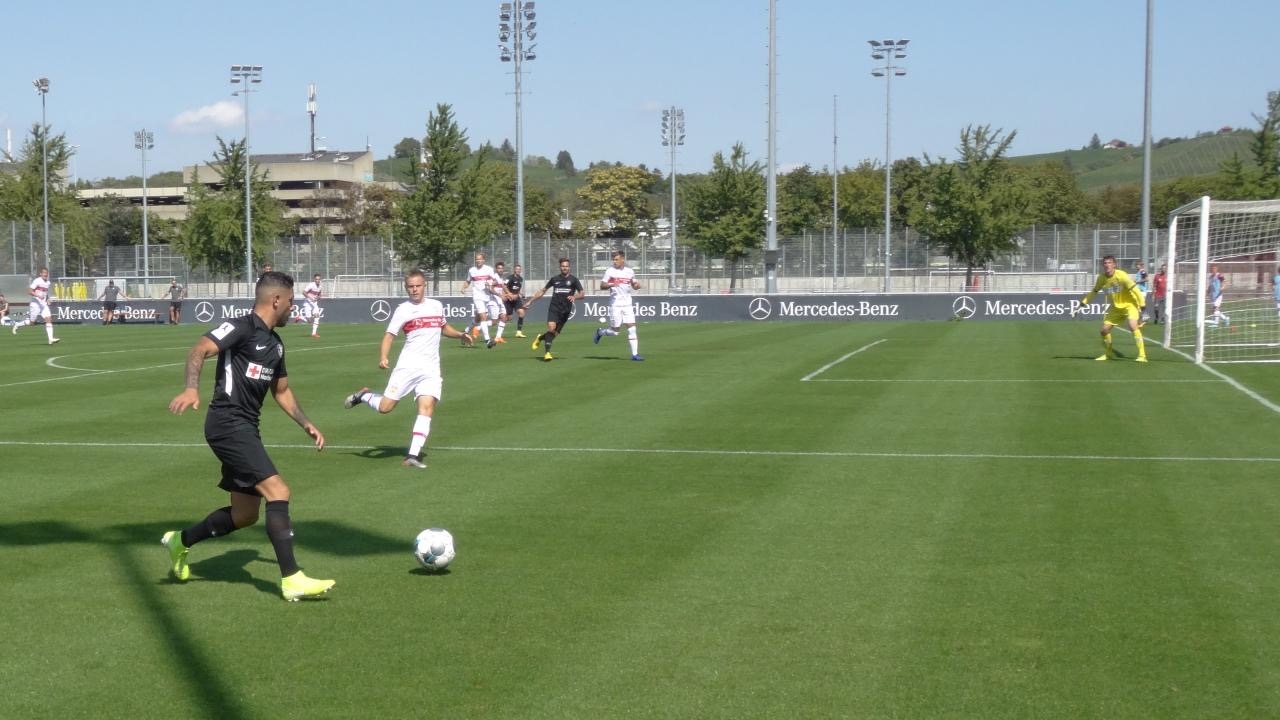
40 289
480 278
421 323
312 292
619 282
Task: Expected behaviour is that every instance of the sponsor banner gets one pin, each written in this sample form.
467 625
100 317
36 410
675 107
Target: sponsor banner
706 308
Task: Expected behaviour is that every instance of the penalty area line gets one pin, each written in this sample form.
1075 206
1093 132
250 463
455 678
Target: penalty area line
834 363
817 454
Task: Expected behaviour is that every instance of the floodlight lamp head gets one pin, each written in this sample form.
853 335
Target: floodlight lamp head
874 43
899 72
877 56
528 6
503 36
877 73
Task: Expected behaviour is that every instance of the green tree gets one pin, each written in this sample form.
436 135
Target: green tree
804 201
369 209
214 233
1095 143
974 207
1053 193
615 201
407 148
861 196
1117 204
724 210
22 193
564 163
507 152
431 228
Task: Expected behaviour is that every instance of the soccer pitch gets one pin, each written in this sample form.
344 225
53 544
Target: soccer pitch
788 520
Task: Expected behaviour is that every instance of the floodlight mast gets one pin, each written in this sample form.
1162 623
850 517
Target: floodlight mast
672 137
516 24
144 140
42 89
247 75
888 50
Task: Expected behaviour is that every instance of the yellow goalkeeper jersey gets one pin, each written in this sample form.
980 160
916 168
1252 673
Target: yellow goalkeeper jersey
1120 289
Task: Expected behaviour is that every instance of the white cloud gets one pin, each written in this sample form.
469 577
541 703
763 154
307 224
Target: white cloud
224 113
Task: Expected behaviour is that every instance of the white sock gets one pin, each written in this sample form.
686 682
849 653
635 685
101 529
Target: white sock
421 429
484 330
48 330
501 326
373 400
634 340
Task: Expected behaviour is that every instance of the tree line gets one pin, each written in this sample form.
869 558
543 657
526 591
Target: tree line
456 198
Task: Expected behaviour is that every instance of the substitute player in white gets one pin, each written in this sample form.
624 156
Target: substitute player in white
39 305
311 305
620 280
417 370
480 279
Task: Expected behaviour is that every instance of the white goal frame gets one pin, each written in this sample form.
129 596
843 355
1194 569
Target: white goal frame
1196 242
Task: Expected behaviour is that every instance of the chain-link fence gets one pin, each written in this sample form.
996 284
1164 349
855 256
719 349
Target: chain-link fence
1048 257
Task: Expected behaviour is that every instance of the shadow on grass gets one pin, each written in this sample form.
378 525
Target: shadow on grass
382 452
42 532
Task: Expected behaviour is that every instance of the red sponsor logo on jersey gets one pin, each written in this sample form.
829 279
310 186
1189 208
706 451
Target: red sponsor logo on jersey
420 323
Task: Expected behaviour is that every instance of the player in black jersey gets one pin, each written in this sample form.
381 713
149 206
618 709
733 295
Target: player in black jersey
514 298
250 362
565 289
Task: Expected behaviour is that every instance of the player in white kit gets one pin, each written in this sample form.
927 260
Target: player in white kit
480 279
620 280
417 370
311 305
39 305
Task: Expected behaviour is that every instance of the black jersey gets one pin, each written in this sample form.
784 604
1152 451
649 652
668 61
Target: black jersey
515 285
250 357
562 288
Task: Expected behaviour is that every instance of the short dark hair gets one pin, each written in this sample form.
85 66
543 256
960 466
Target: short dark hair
562 260
272 280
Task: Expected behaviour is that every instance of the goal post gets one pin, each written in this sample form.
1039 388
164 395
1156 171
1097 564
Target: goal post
1222 261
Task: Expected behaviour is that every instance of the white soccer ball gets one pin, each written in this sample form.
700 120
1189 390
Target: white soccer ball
603 319
434 549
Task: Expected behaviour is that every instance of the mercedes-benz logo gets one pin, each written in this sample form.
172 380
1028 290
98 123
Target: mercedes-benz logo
380 310
204 311
964 307
760 308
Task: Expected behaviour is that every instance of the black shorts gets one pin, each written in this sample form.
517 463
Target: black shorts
511 306
559 316
109 306
177 305
244 460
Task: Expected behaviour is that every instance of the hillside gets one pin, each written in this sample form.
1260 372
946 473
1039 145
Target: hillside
1095 169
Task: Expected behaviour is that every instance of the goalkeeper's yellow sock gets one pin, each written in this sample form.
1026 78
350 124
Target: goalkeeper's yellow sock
1142 347
1106 344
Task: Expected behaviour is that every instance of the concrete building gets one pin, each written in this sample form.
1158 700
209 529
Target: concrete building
312 186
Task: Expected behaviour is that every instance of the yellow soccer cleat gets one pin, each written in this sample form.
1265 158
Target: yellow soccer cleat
519 333
1101 358
548 357
537 341
177 555
1141 358
298 586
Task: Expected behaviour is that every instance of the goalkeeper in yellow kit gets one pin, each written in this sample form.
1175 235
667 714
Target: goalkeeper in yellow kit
1127 301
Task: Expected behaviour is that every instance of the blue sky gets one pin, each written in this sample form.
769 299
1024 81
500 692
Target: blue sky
1057 72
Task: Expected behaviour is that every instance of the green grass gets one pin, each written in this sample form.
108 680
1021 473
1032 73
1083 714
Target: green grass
964 520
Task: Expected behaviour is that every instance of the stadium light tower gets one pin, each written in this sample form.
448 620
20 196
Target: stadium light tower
42 89
888 50
673 137
516 26
144 140
247 75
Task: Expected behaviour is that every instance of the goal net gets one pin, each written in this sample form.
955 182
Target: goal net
1222 267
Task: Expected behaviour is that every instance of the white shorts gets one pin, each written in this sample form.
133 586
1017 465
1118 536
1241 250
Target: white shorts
311 308
1217 303
38 309
620 315
406 380
496 308
480 305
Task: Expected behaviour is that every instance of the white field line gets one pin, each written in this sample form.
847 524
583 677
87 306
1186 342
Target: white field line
834 363
686 451
1090 381
53 362
1232 382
